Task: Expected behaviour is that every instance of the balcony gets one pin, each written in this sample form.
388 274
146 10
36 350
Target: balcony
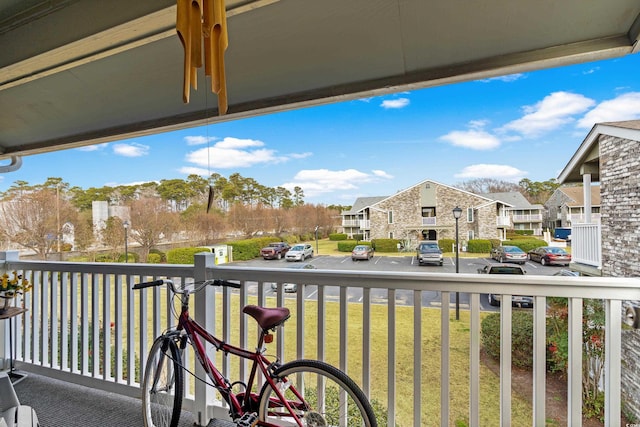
365 224
576 218
503 221
429 220
527 218
351 223
72 304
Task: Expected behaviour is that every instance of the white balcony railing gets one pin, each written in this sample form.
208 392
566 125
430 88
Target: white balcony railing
580 218
365 224
350 222
429 220
586 244
75 304
503 221
527 218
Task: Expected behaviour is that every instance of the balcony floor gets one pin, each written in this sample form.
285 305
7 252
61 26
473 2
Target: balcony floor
62 404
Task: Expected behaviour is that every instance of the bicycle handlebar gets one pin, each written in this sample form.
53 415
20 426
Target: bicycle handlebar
158 282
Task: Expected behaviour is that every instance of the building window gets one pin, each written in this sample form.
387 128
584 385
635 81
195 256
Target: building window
470 235
428 212
390 217
391 234
469 214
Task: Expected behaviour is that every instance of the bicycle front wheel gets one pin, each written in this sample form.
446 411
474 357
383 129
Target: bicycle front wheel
162 385
318 394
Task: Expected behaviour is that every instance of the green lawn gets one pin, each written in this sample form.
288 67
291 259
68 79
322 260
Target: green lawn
430 371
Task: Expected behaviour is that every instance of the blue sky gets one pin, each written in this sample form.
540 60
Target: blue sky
518 126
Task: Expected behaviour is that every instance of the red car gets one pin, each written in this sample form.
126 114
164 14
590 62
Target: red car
549 255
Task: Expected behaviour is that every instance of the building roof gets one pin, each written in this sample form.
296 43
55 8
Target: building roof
513 198
363 202
576 194
588 152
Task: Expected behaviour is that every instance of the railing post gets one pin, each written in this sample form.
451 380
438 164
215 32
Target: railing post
4 330
205 314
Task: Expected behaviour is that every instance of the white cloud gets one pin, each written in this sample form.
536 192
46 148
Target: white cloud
131 150
238 153
507 79
475 139
95 147
199 140
502 172
190 170
320 181
554 111
395 103
623 107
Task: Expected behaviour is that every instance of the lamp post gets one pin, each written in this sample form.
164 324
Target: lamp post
457 212
125 224
317 226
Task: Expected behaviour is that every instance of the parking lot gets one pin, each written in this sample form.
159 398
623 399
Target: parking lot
394 263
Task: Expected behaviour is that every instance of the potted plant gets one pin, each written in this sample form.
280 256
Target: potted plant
10 288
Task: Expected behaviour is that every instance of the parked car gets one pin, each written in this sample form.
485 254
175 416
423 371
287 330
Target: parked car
428 252
549 255
276 250
494 299
293 287
362 252
509 254
300 252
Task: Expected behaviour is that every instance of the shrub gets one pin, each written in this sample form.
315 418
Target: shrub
154 259
163 256
479 246
183 255
337 236
521 337
524 232
494 243
525 244
447 245
385 245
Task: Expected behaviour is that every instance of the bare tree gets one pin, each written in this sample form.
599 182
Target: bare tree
150 221
488 185
34 218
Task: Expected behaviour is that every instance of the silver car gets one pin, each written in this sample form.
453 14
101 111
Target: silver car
300 252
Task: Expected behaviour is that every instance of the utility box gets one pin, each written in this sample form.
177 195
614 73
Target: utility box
222 253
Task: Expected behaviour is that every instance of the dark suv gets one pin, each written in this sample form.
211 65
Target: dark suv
429 252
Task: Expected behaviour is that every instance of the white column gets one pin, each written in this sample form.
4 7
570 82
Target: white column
586 188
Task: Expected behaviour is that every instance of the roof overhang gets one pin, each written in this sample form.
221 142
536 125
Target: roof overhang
587 158
81 72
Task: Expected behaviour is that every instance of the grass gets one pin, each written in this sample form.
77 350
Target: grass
404 347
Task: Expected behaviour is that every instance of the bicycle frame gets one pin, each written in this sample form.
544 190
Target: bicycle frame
191 331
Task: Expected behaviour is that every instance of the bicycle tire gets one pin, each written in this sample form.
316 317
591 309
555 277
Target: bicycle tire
162 385
306 376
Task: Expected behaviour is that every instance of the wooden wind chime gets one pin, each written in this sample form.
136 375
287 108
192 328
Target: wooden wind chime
202 25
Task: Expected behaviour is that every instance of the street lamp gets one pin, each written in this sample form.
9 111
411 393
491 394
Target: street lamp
457 212
125 224
317 226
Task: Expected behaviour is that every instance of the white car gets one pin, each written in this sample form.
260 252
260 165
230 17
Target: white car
299 252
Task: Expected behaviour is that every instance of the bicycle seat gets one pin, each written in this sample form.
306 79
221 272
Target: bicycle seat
267 318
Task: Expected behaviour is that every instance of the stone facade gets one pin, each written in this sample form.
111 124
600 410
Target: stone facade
407 215
620 221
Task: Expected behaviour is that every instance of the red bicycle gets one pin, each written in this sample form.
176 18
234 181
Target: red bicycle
298 393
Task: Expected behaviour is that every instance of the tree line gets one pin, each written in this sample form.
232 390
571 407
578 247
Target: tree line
196 210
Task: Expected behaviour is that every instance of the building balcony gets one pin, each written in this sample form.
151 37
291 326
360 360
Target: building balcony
527 218
429 220
576 218
503 221
333 315
365 224
351 222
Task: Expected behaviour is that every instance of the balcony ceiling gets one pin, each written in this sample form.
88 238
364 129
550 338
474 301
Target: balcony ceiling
81 72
